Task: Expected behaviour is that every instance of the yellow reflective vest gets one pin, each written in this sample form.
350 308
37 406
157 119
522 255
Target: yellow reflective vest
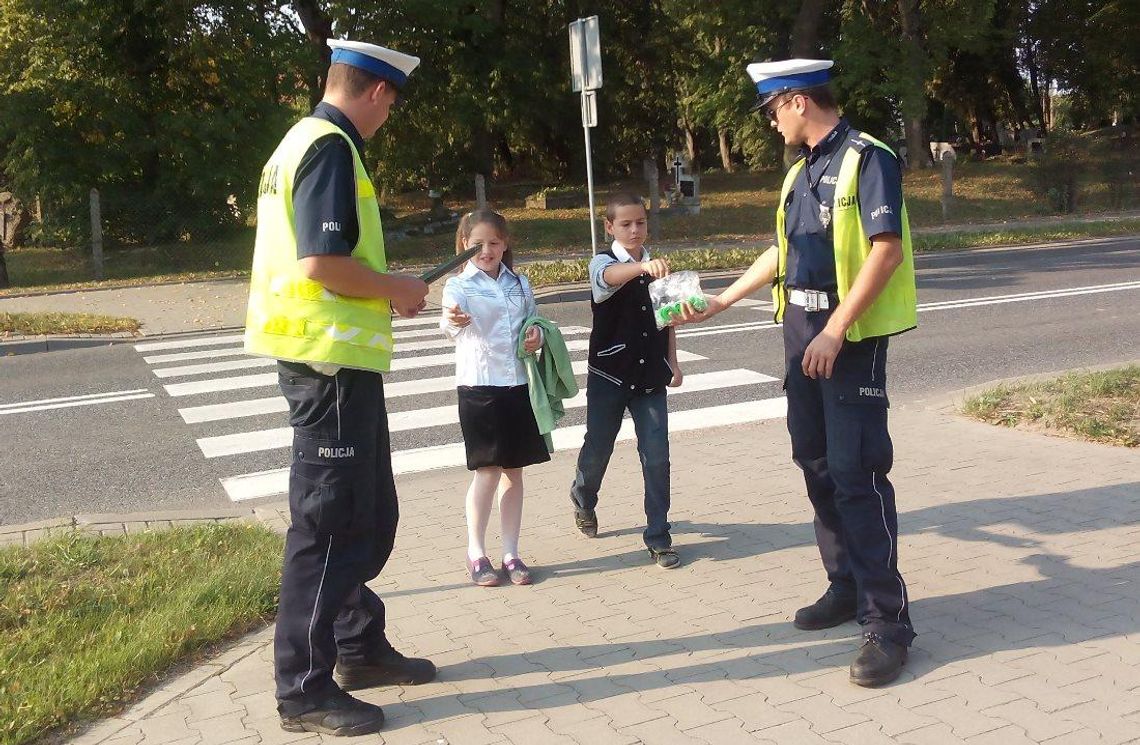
895 309
291 317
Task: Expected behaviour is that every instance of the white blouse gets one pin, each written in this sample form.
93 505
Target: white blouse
486 349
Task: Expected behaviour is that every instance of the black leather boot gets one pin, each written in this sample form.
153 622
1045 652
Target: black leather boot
830 610
339 714
391 669
879 661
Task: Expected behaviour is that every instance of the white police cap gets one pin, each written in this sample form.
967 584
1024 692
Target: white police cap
380 61
774 78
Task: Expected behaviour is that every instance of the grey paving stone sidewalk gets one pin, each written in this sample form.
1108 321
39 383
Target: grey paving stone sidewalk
162 309
1022 554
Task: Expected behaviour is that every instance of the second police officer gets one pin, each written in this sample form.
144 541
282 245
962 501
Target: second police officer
842 276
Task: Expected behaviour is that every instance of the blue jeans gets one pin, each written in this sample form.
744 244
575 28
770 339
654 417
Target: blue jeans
605 405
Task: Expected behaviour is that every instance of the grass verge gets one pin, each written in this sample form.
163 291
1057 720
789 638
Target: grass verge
542 273
86 621
1064 231
1099 406
36 324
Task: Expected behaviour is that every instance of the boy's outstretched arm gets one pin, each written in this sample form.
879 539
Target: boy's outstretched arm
617 274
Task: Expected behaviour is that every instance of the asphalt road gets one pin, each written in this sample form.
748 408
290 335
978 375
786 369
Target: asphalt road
985 315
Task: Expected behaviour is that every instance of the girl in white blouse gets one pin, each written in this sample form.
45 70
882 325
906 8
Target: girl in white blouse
484 309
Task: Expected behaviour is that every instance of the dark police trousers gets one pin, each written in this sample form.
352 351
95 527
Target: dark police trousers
838 428
342 501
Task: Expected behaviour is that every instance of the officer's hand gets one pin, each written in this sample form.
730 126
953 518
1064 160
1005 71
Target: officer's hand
819 357
657 268
408 291
409 312
678 376
456 317
688 315
533 340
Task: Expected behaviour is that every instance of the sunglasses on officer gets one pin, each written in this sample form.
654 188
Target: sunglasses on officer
773 111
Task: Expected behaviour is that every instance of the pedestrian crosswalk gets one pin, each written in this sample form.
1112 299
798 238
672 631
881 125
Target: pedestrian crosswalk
239 423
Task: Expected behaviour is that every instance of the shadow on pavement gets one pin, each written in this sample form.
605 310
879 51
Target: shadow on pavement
1068 605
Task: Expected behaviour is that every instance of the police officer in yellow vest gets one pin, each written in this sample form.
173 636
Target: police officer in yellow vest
842 280
320 302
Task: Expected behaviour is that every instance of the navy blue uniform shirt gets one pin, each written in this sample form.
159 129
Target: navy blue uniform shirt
324 191
811 253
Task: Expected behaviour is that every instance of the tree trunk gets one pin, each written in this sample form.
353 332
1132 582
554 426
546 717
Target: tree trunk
4 281
914 103
976 133
505 155
805 31
805 43
917 144
691 146
1034 86
318 29
725 150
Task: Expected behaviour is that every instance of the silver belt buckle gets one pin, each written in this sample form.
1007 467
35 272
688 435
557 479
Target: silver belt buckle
811 301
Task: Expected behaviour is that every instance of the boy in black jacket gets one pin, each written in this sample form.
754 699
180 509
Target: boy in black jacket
630 364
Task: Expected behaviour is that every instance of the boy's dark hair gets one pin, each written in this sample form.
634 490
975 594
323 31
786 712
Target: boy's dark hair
622 199
354 81
822 96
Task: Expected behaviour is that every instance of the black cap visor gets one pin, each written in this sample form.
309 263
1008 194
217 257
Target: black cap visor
764 99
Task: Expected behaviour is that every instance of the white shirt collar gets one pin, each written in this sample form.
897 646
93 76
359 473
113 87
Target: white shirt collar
470 270
623 255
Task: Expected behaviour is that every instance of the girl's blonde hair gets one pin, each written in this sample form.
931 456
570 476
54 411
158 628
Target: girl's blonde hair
468 222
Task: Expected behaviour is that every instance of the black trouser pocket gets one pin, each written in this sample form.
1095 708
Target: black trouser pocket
330 487
863 414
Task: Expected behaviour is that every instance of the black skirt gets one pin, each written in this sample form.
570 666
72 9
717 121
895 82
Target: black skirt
499 427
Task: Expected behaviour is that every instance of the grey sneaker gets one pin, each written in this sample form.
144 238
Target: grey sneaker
666 558
587 522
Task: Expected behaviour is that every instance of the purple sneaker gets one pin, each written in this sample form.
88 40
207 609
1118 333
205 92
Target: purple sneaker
517 571
482 573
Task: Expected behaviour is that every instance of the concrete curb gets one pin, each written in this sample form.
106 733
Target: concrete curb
273 516
34 344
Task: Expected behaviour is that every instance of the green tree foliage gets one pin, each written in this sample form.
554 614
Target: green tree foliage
168 108
1087 50
713 45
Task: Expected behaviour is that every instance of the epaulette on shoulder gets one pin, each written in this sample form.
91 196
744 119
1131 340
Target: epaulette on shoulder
859 144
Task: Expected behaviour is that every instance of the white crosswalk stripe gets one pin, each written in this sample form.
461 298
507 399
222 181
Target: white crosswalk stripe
276 482
268 439
207 341
277 404
400 363
238 426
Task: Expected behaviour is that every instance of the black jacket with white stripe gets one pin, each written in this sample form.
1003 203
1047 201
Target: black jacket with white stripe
626 348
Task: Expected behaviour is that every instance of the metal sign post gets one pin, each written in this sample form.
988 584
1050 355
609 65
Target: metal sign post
586 77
